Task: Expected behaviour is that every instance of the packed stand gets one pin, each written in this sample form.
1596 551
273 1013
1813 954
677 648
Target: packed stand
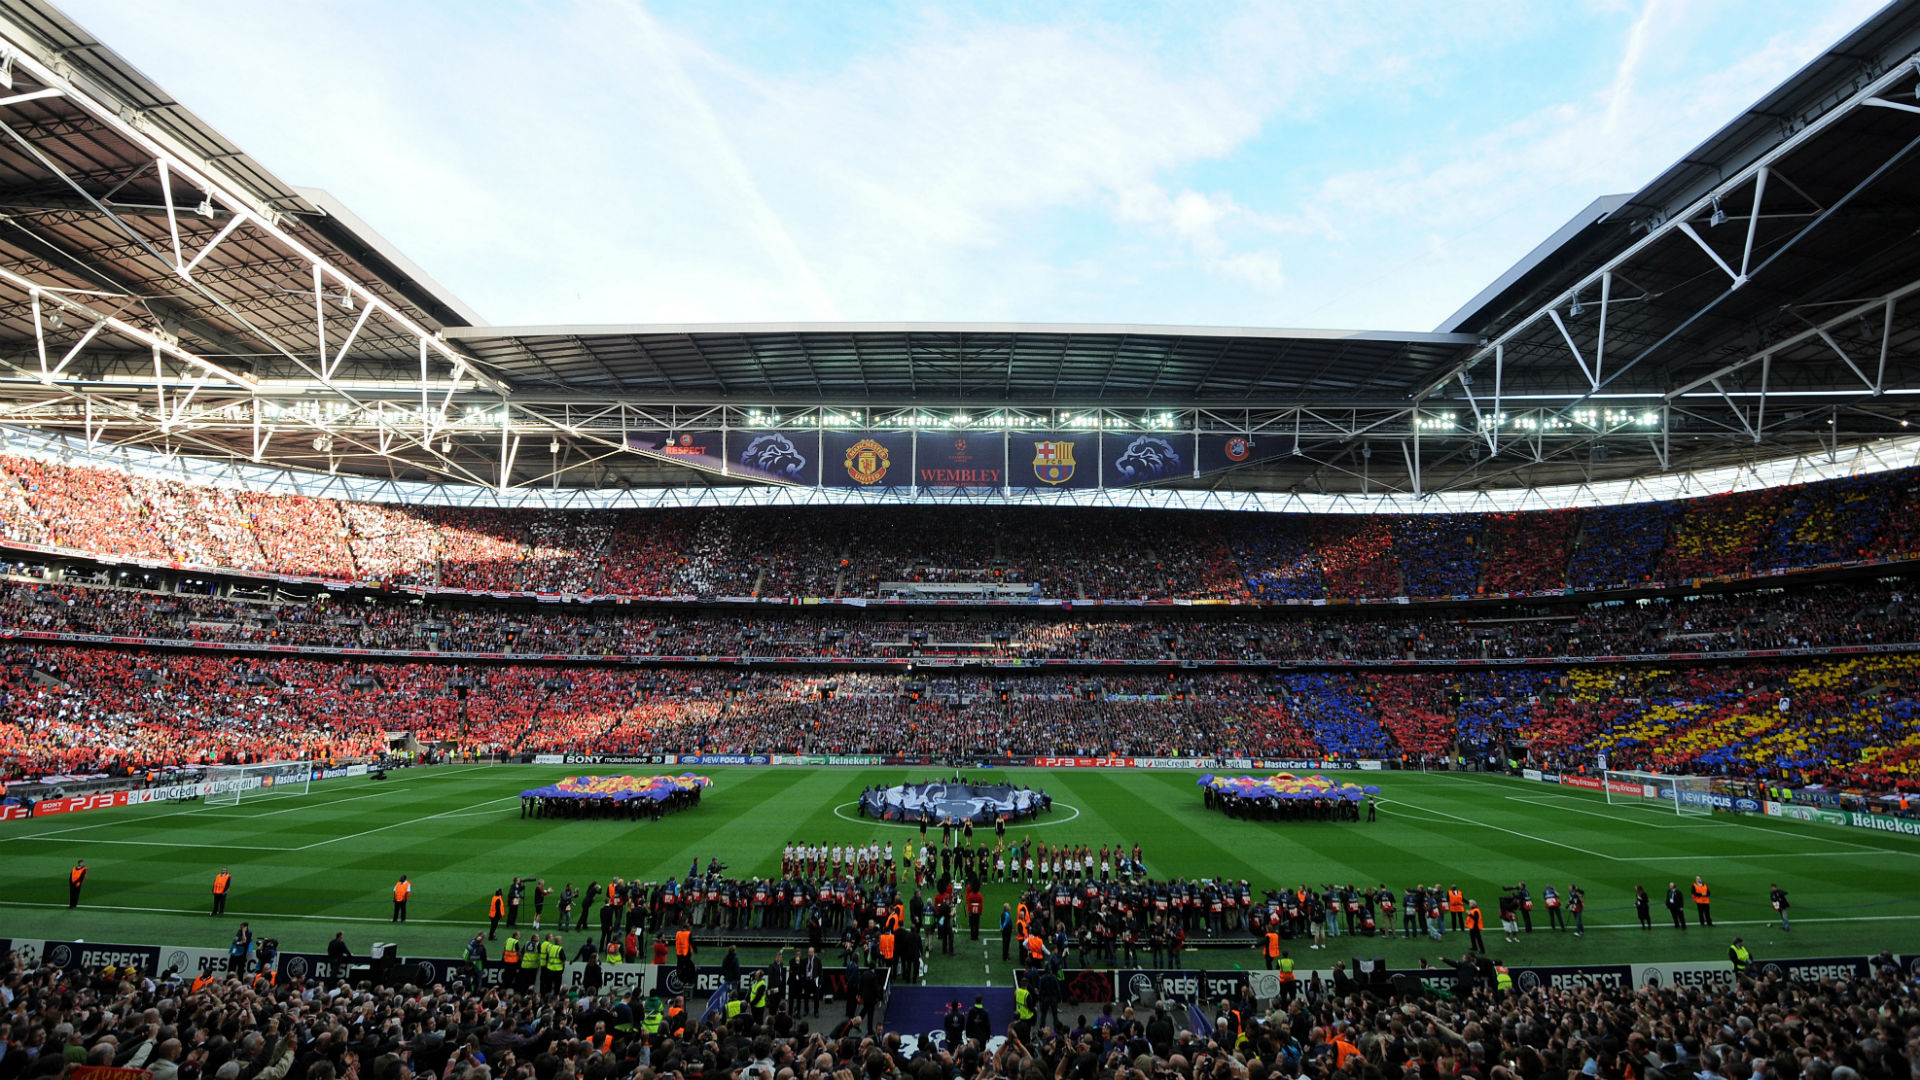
1529 552
1069 553
1619 545
1816 616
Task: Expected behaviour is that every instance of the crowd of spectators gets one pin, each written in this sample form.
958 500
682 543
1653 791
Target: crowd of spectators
1619 545
1527 552
1065 553
1843 722
1848 613
1765 1028
1849 721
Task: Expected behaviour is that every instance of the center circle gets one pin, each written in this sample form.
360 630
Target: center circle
841 812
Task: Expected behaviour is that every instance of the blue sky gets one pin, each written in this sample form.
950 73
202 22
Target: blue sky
1353 165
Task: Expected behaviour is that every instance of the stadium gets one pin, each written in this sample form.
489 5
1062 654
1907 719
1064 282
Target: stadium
1233 682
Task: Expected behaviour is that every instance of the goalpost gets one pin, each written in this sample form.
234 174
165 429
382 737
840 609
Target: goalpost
1686 796
228 784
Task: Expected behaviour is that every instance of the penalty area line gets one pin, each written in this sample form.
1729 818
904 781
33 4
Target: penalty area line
1500 828
398 824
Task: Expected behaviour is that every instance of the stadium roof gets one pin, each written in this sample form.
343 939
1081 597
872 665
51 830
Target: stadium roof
927 364
161 289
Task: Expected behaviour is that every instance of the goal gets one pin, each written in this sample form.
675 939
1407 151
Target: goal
228 784
1685 796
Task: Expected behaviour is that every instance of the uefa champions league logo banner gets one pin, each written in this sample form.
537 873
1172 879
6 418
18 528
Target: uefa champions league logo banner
961 459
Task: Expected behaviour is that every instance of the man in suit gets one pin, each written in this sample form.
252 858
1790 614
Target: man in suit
807 988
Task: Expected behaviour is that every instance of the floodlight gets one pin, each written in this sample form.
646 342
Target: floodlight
54 319
1578 309
1719 216
205 209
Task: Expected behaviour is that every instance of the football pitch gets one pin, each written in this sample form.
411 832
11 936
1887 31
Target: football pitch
306 866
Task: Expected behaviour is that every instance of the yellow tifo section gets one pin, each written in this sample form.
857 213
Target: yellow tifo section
1827 706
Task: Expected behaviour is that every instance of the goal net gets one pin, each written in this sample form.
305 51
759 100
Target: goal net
227 785
1667 792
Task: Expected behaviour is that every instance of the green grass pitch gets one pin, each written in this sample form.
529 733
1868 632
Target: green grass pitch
306 866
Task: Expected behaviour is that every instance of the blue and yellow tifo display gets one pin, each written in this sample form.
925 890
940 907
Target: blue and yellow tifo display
619 788
1287 786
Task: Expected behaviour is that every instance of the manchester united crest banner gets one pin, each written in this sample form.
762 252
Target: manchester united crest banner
867 459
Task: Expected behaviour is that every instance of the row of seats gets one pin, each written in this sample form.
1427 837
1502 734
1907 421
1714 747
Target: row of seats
1066 553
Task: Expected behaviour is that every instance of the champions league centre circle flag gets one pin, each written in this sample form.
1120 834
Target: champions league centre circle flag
942 802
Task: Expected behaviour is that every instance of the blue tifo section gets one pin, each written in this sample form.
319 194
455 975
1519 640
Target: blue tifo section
1335 713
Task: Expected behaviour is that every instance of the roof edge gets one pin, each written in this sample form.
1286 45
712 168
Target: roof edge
1589 215
1108 329
333 208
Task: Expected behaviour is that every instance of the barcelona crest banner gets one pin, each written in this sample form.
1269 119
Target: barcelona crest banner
1054 459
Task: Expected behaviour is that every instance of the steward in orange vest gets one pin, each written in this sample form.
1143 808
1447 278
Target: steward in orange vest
401 890
1702 902
222 881
496 909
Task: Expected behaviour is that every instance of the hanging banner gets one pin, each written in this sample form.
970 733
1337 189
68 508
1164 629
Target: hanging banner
787 457
1050 460
970 459
700 449
1129 460
1027 460
867 459
1219 452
